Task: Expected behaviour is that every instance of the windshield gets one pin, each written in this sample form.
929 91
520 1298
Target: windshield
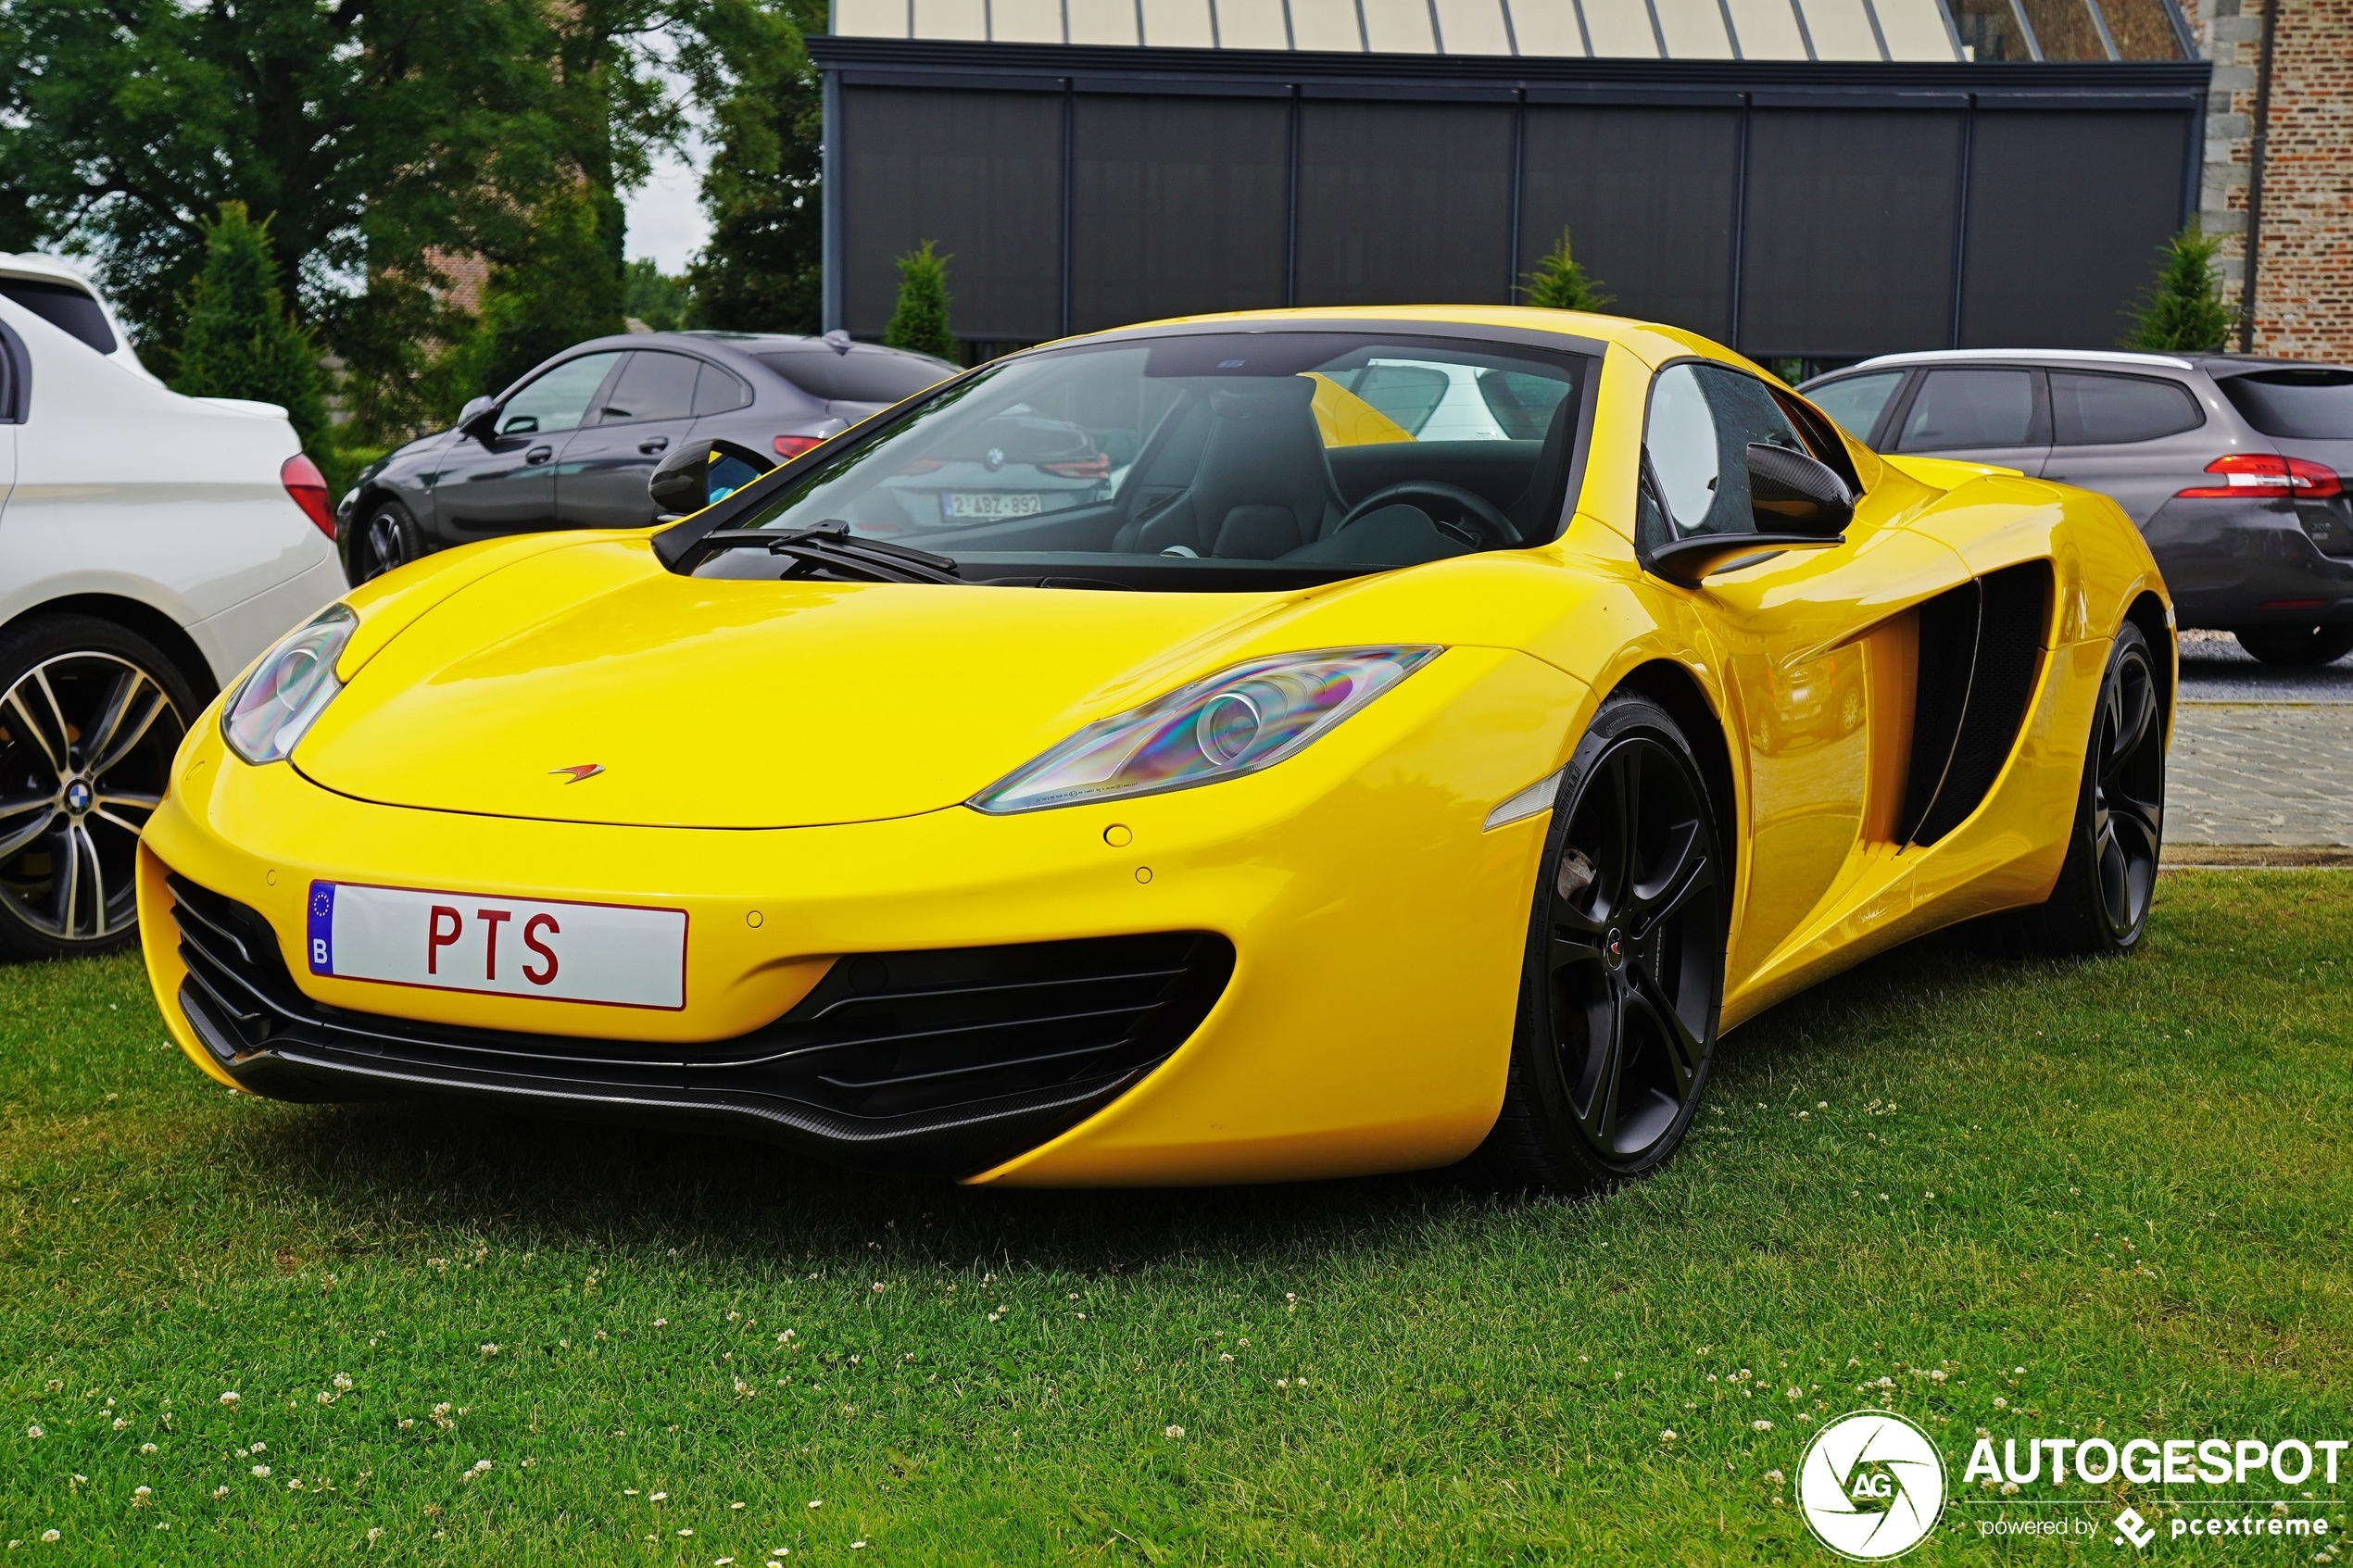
1207 460
2315 404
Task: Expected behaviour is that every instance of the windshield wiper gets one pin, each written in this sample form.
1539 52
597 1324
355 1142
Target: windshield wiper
832 548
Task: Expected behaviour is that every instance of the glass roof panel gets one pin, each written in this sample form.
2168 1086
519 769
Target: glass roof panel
1621 29
1251 24
2142 30
1398 27
1546 27
1914 30
1695 30
1840 29
1177 25
1025 21
1767 29
1101 22
1473 27
1325 24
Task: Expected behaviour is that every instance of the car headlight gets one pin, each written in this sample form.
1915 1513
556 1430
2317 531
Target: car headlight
1244 719
275 706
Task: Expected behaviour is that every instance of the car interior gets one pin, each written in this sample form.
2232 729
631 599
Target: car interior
1314 456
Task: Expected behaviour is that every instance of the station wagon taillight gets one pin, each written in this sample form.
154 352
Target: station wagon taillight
2264 473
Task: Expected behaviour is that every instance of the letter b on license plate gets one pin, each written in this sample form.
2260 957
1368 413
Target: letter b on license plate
614 955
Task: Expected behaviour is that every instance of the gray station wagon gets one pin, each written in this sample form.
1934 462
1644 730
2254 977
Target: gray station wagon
2233 467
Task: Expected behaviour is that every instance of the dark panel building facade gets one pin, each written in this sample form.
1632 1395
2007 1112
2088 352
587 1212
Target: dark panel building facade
1816 208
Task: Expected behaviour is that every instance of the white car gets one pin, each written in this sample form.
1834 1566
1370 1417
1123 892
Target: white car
151 546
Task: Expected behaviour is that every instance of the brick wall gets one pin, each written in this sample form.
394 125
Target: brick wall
2304 275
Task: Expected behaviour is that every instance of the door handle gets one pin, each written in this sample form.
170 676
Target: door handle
659 443
538 454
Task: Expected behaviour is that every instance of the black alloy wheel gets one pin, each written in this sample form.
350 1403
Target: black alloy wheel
1624 975
2297 646
89 717
387 539
2101 902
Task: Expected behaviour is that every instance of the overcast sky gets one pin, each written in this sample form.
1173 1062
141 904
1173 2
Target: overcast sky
666 220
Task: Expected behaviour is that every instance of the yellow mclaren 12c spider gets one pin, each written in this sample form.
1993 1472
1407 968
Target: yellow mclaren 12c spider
1236 749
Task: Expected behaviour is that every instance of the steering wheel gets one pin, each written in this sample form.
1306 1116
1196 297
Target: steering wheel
1472 511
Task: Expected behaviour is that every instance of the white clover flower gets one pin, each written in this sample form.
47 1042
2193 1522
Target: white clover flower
2010 1488
1760 1426
262 1470
661 1323
1666 1433
120 1425
230 1398
220 1492
1776 1477
2000 1403
816 1502
375 1532
146 1448
51 1535
32 1432
341 1381
1173 1432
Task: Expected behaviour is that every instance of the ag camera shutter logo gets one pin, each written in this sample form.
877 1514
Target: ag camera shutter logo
1872 1486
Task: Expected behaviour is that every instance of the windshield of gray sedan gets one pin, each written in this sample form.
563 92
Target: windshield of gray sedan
1319 454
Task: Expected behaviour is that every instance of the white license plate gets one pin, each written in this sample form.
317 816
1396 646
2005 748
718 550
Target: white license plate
614 955
990 503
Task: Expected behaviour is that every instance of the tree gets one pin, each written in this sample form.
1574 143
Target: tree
651 296
2183 309
763 268
1560 282
921 320
241 342
374 136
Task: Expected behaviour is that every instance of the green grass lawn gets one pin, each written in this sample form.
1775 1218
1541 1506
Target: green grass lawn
514 1342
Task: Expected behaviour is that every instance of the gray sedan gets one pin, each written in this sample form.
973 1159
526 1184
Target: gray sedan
2233 467
573 443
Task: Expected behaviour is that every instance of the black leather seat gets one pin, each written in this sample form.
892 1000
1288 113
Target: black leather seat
1262 485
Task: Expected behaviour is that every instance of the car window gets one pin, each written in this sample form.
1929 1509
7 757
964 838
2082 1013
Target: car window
1961 409
1857 402
2096 410
652 386
2315 404
68 309
1202 448
858 376
718 391
558 400
1702 420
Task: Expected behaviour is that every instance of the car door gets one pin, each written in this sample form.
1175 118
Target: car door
2132 438
600 478
1978 414
1811 643
504 481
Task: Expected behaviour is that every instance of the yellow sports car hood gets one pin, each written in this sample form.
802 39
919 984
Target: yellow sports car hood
585 684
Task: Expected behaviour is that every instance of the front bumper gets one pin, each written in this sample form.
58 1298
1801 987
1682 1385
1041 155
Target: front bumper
1308 971
2232 562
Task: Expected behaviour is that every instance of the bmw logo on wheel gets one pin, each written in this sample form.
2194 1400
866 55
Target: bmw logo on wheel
1872 1486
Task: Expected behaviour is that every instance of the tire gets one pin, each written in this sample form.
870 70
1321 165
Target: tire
389 538
1622 984
90 716
2101 902
2297 646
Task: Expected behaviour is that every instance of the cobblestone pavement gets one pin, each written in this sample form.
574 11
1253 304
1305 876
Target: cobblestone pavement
2261 756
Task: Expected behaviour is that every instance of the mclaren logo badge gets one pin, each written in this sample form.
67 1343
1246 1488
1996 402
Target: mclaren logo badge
578 771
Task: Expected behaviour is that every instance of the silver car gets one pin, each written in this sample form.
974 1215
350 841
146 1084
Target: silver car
2233 467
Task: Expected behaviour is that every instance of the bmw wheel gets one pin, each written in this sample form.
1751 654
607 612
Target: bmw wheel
388 539
2101 903
2297 646
1623 981
89 717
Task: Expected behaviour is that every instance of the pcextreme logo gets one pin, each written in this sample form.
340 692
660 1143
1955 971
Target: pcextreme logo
1872 1486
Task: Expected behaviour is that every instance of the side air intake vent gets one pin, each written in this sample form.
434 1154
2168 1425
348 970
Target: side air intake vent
1980 651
